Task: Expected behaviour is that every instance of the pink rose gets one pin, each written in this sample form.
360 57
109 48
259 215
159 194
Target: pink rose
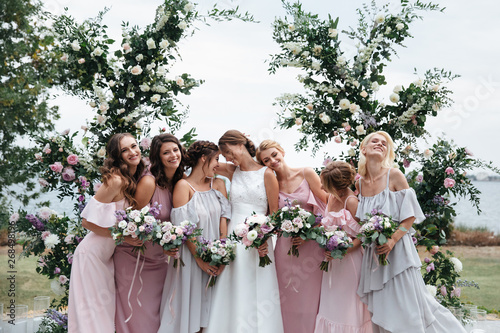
68 174
56 167
45 234
347 128
419 178
430 267
174 237
131 228
338 139
326 161
145 143
72 159
43 182
434 249
60 150
456 292
406 163
443 291
448 182
63 279
246 241
449 171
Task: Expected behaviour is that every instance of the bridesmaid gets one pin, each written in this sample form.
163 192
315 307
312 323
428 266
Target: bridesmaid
156 185
91 305
202 199
340 308
299 279
395 294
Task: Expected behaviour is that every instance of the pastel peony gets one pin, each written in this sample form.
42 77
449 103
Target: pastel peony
64 57
457 264
43 182
69 239
456 292
101 120
179 80
337 139
63 279
146 143
14 218
56 167
151 44
68 174
298 121
449 171
45 213
434 249
430 267
51 241
324 118
344 104
394 97
431 289
101 153
241 230
136 70
360 130
72 159
449 182
428 153
126 47
419 178
363 94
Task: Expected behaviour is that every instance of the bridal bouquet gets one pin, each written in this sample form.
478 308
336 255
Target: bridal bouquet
293 221
171 236
254 232
136 224
217 252
377 229
335 240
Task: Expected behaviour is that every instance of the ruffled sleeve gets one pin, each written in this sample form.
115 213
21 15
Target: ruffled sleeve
318 205
409 206
186 212
100 214
225 206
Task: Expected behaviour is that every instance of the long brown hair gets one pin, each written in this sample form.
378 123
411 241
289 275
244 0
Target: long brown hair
235 137
199 149
157 169
115 165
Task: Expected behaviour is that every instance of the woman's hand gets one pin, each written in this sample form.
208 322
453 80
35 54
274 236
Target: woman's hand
386 248
172 253
297 241
133 241
207 268
328 256
263 250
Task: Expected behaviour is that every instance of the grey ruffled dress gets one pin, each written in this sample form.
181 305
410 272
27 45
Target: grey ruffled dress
186 302
396 294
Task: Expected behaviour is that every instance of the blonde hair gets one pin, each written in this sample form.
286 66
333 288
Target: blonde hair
337 177
388 160
267 144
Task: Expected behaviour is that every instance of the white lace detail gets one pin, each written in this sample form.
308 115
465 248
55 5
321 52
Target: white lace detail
247 187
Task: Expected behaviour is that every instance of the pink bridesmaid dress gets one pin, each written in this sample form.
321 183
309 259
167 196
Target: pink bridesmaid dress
299 279
141 301
91 305
341 309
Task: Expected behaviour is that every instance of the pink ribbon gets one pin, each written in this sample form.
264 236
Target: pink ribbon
291 273
132 285
177 272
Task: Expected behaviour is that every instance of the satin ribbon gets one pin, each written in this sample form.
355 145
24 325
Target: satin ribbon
132 285
291 273
177 272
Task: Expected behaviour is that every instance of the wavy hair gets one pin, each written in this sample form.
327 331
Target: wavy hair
157 168
267 144
337 177
198 149
235 137
115 165
388 160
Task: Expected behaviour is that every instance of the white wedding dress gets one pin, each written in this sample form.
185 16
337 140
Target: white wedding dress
246 296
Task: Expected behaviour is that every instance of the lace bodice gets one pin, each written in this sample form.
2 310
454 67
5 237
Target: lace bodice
248 190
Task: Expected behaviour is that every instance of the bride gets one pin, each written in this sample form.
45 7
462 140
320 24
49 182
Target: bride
246 297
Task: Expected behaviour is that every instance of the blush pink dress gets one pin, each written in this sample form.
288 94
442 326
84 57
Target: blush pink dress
149 278
91 305
341 309
299 279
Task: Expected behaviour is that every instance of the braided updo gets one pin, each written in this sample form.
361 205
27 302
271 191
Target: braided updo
235 137
337 176
198 149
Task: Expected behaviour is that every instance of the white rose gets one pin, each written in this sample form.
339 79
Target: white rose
104 107
431 289
418 82
457 264
159 235
136 70
81 61
161 70
341 60
111 83
428 153
151 44
188 7
182 25
144 87
64 57
344 104
435 87
380 18
332 33
284 209
397 88
316 65
131 94
326 119
317 49
354 108
92 104
97 51
101 120
126 47
291 27
120 111
122 224
400 26
75 46
164 44
360 130
179 80
101 153
252 235
155 98
394 97
139 57
363 94
351 152
375 86
298 121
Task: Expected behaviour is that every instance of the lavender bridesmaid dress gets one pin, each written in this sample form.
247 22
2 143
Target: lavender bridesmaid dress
299 279
91 305
340 308
149 278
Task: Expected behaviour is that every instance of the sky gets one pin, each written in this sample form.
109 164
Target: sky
239 93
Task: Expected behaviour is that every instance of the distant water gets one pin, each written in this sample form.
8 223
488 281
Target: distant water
466 213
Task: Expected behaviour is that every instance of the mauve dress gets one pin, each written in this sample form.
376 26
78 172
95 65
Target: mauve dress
396 294
299 279
145 318
91 305
340 309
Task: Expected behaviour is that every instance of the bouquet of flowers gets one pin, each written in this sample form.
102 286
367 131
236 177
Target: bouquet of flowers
335 240
170 236
135 223
294 221
254 232
217 252
377 229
